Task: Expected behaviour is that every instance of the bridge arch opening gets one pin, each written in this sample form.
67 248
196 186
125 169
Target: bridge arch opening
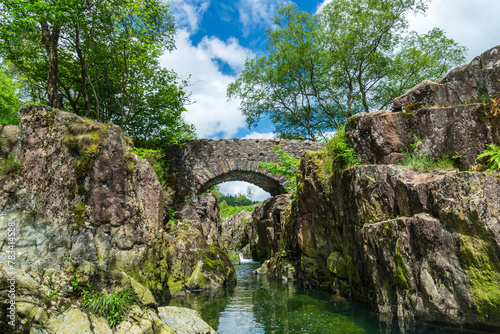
267 183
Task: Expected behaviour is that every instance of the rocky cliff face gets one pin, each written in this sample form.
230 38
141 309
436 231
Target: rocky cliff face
268 220
85 209
415 246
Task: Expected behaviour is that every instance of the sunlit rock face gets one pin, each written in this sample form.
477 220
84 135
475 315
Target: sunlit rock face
453 117
86 210
415 246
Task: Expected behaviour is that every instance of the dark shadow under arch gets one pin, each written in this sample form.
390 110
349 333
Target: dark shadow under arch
263 181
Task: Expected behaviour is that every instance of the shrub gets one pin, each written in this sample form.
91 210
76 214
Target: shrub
10 165
493 152
340 154
286 167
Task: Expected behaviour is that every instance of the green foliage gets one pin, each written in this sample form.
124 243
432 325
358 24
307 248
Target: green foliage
423 162
113 306
99 59
239 199
286 167
171 215
339 153
155 159
227 210
52 294
354 55
336 155
9 101
10 165
233 204
493 151
74 284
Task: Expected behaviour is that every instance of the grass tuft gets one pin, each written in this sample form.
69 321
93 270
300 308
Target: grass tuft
422 162
10 165
84 140
78 128
113 306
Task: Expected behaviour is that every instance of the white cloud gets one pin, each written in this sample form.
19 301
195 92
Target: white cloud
258 135
211 113
240 187
322 5
474 24
189 13
230 52
257 13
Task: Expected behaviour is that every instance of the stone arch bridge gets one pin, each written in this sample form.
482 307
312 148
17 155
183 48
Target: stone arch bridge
201 164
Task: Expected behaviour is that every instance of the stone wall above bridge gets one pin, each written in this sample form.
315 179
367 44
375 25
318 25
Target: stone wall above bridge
201 164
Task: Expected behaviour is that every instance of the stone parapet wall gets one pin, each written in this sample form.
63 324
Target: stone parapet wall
200 164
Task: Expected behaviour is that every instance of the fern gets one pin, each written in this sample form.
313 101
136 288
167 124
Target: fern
493 152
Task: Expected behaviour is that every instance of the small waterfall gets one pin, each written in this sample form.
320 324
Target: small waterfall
243 260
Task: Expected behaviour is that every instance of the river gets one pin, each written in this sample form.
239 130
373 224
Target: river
259 305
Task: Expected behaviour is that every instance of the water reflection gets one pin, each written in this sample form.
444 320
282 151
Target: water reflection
209 304
259 305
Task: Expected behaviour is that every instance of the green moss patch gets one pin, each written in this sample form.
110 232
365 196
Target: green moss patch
80 216
84 139
412 107
401 273
337 265
482 268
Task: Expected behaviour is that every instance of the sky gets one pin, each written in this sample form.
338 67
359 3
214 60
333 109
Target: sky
214 37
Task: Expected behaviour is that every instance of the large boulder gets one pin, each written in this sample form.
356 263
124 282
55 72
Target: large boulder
86 210
184 321
465 84
453 117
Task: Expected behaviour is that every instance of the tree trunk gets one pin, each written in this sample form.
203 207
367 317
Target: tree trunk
83 67
50 41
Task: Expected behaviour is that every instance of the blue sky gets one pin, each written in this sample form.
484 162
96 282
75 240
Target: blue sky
214 37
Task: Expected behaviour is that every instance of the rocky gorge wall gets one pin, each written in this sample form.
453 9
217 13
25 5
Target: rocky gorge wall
414 246
87 212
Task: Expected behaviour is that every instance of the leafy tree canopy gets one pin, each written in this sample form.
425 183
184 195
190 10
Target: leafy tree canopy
354 55
9 101
98 59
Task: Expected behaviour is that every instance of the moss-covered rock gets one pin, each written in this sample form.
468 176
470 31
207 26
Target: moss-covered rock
415 246
83 216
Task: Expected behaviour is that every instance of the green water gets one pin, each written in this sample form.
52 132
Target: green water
258 305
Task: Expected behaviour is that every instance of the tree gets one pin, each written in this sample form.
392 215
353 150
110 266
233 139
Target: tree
287 167
371 57
9 101
283 85
98 59
355 55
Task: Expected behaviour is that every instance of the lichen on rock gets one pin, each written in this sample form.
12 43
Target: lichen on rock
83 216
